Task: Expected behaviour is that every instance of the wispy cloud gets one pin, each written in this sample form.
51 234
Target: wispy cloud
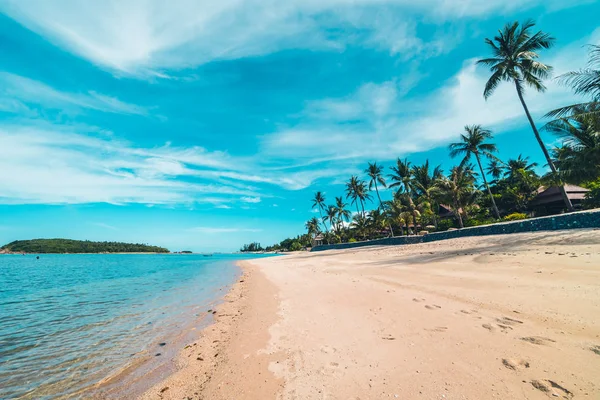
105 226
248 199
388 125
18 94
216 230
130 37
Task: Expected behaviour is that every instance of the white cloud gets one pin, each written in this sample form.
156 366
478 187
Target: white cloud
248 199
216 230
377 122
53 164
18 93
106 226
149 37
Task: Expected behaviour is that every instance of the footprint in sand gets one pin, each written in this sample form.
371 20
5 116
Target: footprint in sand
595 349
489 327
438 329
417 300
508 321
433 307
552 388
539 340
515 364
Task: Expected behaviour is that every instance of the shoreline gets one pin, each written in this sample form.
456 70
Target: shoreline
204 365
507 316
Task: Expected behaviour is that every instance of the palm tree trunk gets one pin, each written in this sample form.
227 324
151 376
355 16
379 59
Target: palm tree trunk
324 224
543 147
460 220
381 206
487 186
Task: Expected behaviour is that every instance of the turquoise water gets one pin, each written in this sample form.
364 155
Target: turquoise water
68 321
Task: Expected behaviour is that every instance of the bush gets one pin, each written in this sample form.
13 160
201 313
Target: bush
351 240
515 217
444 224
592 198
478 221
295 246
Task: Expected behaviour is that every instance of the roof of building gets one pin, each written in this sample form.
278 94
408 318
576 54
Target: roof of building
553 194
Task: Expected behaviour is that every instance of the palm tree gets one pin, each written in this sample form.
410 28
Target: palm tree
517 166
515 60
585 82
578 159
356 190
331 216
458 190
495 169
343 214
312 226
403 179
425 184
474 143
360 224
378 220
319 202
375 173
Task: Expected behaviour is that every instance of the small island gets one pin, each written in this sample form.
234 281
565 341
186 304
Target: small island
63 246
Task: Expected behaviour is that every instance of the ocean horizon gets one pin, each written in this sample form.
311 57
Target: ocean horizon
68 322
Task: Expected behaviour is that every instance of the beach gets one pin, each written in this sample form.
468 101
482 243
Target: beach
507 316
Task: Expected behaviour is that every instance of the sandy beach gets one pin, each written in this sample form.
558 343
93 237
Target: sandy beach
509 317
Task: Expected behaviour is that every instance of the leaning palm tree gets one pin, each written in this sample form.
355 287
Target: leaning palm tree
319 202
402 178
473 143
515 60
352 187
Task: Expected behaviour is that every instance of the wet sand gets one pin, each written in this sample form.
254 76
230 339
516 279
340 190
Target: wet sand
511 317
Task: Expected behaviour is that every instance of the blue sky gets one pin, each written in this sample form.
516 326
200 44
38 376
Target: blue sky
202 126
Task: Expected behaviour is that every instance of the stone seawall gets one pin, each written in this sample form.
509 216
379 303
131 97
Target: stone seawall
576 220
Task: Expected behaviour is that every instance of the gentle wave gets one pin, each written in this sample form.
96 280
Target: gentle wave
68 321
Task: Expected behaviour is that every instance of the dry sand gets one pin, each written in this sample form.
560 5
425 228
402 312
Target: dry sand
510 317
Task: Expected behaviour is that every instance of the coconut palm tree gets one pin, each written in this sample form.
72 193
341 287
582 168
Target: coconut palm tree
402 179
360 224
319 202
312 226
584 82
356 190
331 216
378 220
516 166
458 190
375 173
343 214
473 143
425 184
515 60
363 195
578 159
495 169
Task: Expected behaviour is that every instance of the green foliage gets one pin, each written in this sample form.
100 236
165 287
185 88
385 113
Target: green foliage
515 217
445 224
479 221
251 247
352 240
79 246
295 246
592 198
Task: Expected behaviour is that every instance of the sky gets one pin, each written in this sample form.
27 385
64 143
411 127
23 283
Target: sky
202 125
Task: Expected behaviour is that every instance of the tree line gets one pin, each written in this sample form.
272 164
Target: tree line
79 246
420 191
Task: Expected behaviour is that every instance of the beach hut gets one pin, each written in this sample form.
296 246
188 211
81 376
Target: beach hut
318 240
549 200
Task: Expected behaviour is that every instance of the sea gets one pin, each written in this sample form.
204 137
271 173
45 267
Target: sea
70 321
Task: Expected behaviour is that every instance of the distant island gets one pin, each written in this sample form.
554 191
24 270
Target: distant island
61 246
